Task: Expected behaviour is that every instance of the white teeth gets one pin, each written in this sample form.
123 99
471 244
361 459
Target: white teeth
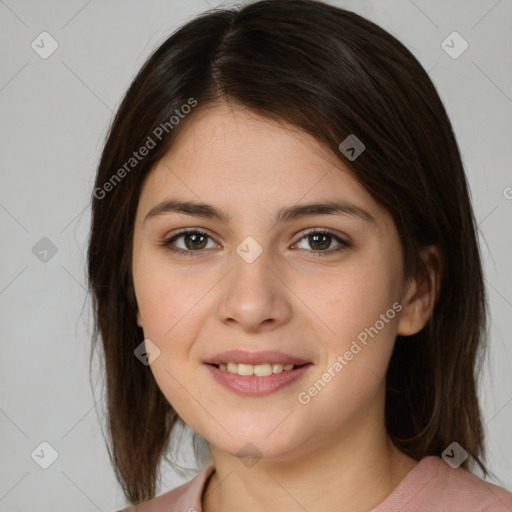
277 368
260 370
245 369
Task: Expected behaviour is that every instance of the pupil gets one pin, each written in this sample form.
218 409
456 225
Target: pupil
194 237
325 236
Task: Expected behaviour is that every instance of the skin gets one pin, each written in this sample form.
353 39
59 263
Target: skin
334 452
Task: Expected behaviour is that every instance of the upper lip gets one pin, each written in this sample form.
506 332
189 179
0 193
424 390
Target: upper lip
243 357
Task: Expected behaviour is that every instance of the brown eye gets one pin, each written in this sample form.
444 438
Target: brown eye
321 242
193 242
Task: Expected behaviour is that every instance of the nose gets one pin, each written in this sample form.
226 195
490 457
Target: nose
254 295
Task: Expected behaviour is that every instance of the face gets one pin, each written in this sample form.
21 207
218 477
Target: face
321 286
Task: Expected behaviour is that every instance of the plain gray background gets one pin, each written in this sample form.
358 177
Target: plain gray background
55 112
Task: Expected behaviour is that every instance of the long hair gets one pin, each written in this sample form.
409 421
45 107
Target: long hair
331 73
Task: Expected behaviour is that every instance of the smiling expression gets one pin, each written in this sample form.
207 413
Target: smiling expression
322 274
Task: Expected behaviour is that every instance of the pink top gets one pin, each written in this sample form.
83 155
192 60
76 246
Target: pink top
431 486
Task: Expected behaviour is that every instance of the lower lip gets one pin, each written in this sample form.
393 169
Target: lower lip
251 385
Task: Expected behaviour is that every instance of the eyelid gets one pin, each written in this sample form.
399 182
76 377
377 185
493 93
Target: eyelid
329 231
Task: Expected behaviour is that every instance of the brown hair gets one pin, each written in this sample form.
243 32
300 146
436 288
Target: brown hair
331 73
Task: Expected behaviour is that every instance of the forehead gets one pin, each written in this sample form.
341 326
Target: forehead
229 155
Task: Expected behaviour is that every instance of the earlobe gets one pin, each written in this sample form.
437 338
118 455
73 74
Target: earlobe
421 294
139 321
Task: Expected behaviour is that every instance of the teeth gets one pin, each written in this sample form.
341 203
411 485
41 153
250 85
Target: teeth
260 370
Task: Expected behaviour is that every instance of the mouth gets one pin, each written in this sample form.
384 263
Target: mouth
257 380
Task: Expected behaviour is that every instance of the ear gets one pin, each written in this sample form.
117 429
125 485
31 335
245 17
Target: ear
421 293
139 321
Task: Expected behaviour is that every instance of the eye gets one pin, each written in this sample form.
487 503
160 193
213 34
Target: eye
193 240
322 239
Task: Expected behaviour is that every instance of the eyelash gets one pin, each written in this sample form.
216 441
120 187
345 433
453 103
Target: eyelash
343 243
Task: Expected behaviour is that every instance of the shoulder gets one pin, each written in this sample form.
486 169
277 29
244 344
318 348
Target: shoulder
434 486
185 498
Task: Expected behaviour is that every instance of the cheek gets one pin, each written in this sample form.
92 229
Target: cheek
352 372
170 306
359 304
353 299
166 297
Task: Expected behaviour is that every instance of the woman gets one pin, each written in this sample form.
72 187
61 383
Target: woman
283 257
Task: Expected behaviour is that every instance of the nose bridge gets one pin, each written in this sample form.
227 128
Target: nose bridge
251 273
253 295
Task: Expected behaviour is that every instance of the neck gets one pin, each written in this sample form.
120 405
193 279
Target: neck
355 473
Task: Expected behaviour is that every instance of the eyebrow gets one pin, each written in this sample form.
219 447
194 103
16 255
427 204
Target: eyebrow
286 214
